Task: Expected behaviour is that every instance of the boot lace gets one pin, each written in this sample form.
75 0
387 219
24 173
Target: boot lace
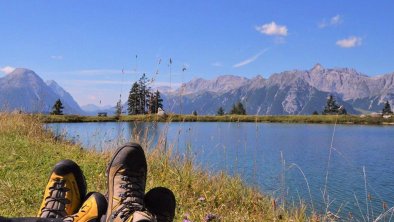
131 199
57 194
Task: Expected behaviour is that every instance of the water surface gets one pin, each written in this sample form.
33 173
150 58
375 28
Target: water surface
284 160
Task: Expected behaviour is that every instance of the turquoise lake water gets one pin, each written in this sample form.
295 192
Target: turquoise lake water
283 160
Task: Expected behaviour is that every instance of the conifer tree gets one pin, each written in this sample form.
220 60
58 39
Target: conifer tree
133 102
155 102
57 108
118 109
333 108
387 109
143 93
238 109
220 111
141 100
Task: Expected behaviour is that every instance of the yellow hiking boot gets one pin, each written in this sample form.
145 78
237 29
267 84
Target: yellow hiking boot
126 179
64 192
92 209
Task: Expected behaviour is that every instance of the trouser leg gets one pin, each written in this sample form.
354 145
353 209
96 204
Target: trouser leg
29 219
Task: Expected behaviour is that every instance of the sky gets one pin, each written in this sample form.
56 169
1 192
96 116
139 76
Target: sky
96 49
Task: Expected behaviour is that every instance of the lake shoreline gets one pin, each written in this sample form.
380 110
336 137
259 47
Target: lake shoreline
310 119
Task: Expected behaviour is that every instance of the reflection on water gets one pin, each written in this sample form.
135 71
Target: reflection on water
274 157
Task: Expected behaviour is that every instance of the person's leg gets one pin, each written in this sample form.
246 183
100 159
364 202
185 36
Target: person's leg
30 219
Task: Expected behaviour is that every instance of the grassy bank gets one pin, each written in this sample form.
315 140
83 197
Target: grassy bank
319 119
29 153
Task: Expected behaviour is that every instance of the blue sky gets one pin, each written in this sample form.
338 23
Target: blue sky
84 45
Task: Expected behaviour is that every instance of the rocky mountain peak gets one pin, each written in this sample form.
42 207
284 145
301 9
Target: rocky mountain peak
21 71
220 84
317 68
22 77
24 90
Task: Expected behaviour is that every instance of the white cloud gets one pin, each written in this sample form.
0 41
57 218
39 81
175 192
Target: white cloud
7 69
272 29
249 60
57 57
349 42
334 21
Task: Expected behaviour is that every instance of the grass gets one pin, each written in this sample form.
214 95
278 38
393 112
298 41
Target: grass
319 119
29 153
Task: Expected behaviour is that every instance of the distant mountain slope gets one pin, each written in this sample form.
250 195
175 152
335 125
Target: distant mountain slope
291 98
24 90
65 97
219 85
290 92
93 110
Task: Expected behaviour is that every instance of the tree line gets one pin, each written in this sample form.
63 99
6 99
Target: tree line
142 100
236 109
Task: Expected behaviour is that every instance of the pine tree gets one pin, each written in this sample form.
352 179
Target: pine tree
220 111
238 109
159 100
155 102
118 109
387 109
57 108
144 91
194 113
333 108
133 101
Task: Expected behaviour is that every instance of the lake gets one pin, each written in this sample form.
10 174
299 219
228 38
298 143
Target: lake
284 160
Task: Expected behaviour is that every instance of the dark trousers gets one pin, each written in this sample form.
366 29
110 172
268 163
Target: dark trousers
29 219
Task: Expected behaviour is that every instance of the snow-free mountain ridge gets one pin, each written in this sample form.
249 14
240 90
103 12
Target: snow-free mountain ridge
290 92
24 90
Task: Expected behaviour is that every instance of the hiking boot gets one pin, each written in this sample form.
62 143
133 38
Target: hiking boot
160 201
126 179
92 209
64 192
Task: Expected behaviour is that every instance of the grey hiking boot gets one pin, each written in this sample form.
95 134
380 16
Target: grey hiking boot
64 192
126 179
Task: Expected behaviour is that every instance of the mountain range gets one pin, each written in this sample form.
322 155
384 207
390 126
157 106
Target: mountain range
24 90
290 92
286 93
